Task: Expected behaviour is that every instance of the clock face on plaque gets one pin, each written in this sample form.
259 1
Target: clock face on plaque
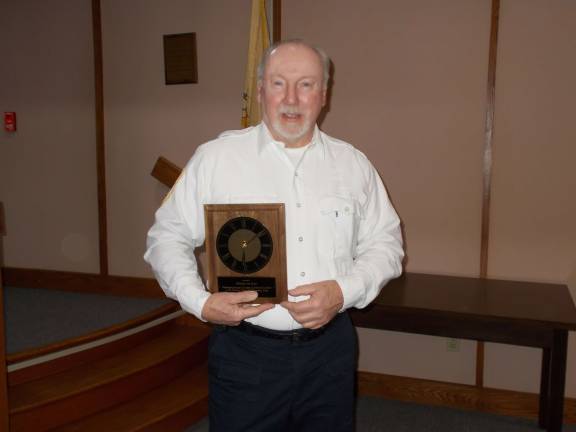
244 245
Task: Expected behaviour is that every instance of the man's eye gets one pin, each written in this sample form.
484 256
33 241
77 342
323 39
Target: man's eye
306 84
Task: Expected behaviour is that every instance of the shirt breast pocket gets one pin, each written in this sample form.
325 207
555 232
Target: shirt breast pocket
340 217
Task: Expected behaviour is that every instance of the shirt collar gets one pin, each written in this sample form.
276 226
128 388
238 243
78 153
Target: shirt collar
265 140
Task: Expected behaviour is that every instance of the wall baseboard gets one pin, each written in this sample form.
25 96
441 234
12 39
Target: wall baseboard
459 396
82 282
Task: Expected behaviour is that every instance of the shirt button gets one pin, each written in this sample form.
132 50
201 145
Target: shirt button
302 274
298 205
300 238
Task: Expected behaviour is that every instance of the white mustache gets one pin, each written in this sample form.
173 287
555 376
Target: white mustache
289 110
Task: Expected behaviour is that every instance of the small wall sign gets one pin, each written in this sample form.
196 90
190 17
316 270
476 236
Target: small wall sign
180 61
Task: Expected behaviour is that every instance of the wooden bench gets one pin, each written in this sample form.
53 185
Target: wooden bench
516 313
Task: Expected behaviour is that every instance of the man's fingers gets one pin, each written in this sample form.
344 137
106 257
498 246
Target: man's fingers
252 311
243 297
297 307
231 308
303 290
324 301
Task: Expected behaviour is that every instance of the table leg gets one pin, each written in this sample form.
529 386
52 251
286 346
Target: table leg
557 380
543 414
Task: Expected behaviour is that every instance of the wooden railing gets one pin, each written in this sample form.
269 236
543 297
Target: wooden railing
3 376
166 172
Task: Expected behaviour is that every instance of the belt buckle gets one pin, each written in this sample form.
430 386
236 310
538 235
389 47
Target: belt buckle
295 337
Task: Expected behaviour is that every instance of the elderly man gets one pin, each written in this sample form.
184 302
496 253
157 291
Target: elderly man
286 367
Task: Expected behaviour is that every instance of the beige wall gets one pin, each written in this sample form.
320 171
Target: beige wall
47 168
533 217
410 91
146 119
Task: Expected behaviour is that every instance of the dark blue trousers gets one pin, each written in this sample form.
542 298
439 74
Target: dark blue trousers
259 384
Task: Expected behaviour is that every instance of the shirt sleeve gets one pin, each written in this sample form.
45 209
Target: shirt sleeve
179 229
379 251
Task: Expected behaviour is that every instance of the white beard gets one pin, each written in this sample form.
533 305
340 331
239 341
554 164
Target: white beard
295 132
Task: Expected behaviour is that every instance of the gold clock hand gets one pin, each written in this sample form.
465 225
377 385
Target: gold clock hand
252 238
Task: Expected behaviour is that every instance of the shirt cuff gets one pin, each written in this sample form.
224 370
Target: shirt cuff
192 300
353 290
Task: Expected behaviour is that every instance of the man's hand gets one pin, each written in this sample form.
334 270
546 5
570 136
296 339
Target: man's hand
231 308
325 301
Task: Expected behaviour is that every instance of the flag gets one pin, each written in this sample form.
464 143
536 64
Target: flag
259 42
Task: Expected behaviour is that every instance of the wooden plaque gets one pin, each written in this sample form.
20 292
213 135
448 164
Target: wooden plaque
180 60
246 249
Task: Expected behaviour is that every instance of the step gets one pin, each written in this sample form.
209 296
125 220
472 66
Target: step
172 407
52 363
142 320
76 393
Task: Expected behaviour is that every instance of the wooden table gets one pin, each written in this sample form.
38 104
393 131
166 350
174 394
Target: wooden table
516 313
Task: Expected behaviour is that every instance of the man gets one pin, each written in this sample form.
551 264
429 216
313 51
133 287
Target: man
287 367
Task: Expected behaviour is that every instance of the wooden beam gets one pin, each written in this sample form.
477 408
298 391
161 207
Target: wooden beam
488 138
100 145
277 21
3 376
166 172
2 222
487 167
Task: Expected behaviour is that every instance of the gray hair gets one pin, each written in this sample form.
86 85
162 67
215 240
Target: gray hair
324 59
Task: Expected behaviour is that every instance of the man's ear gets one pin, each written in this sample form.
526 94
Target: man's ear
259 91
324 96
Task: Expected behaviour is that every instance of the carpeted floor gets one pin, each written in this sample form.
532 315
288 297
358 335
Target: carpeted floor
379 415
32 315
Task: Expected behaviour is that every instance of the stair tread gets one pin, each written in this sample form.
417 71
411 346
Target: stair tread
149 408
87 376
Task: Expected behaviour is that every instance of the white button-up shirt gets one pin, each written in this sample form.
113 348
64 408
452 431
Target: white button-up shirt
339 221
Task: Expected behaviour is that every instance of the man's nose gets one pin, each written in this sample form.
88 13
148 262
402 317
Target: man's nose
291 95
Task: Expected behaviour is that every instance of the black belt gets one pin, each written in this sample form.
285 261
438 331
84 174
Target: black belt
298 335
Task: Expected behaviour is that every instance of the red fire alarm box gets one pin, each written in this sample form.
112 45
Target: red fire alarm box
10 121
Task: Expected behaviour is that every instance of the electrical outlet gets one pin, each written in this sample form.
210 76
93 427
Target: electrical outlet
452 345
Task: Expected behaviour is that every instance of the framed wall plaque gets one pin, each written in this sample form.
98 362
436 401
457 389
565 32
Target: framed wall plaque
180 60
246 249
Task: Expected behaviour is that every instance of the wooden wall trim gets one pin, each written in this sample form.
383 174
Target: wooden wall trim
3 377
277 21
100 145
3 373
457 396
488 139
2 223
82 282
487 167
